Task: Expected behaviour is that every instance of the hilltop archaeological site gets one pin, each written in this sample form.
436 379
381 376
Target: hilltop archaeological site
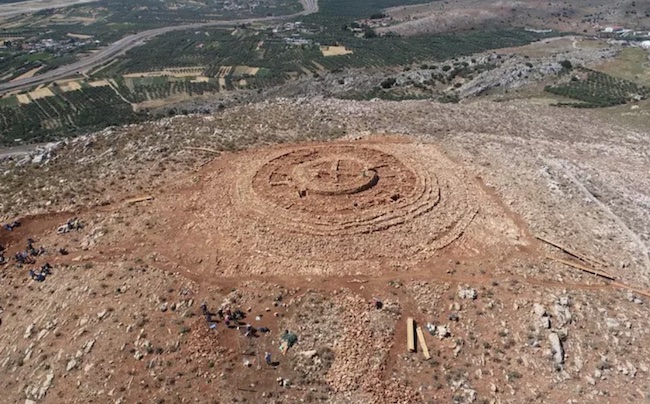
318 250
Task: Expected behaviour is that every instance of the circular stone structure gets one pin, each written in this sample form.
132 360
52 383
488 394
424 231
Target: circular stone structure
338 190
317 204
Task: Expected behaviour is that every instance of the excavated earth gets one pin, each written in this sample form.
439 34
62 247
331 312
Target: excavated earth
300 213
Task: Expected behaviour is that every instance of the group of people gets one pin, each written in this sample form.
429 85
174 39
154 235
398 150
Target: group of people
71 224
40 276
11 226
231 319
27 256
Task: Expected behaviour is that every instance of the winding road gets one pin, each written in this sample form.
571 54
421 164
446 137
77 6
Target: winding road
121 46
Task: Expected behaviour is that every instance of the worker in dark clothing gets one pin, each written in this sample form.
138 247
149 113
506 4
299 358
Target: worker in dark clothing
250 331
21 257
11 226
37 277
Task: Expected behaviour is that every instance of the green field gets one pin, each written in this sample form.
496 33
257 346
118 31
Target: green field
63 115
595 89
9 102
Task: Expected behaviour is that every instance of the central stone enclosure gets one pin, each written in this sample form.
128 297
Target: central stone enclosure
333 176
342 189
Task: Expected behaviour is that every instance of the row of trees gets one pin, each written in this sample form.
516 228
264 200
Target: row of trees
598 90
65 114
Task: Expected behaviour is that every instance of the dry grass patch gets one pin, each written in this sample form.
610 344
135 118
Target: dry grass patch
335 51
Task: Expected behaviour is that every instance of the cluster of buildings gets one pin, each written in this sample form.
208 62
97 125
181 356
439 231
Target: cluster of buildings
294 31
46 45
384 21
624 32
289 27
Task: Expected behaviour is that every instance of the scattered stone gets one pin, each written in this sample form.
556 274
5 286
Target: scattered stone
562 314
42 334
309 354
556 347
612 323
539 310
46 385
138 355
163 307
102 314
71 365
29 330
443 331
89 346
467 293
545 322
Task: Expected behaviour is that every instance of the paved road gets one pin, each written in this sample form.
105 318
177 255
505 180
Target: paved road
117 48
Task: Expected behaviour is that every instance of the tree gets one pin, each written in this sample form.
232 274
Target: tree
566 65
388 83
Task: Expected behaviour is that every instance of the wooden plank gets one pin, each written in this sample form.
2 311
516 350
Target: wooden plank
631 289
141 199
579 256
423 343
410 335
582 268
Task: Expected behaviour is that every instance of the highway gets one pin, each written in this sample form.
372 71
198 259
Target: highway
117 48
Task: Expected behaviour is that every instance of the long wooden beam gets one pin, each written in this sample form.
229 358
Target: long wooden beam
410 335
583 268
631 289
423 343
575 254
141 199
